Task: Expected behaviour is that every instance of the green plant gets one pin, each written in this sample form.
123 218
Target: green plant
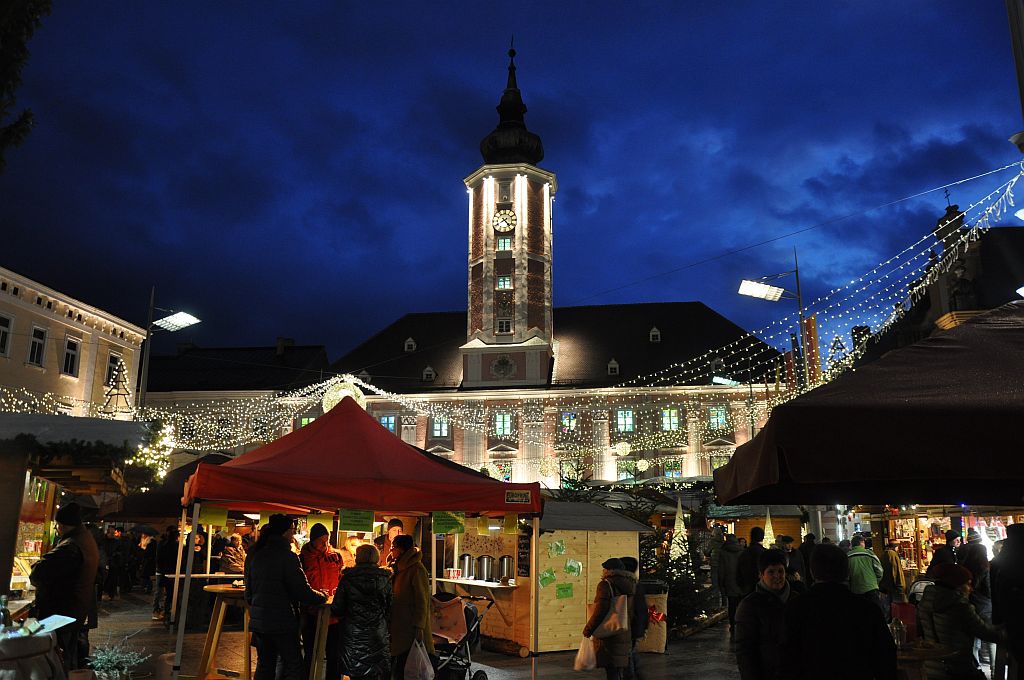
113 660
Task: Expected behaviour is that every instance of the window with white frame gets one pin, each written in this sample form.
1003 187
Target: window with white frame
388 422
439 428
504 325
71 347
504 283
112 361
673 467
429 374
718 418
6 324
669 419
504 243
502 424
37 347
410 345
624 420
568 422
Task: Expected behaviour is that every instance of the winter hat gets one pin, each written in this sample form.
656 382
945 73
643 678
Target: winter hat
317 530
1015 531
973 536
952 575
613 564
952 535
771 557
278 524
70 514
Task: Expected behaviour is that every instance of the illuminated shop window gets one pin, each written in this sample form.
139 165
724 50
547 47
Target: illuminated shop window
502 424
674 468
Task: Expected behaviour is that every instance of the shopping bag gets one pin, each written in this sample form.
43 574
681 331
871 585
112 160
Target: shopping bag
418 667
617 618
586 660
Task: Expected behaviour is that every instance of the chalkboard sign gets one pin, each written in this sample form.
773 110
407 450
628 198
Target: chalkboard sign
523 558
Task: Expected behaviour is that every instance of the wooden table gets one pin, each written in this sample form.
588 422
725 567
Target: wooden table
911 658
226 595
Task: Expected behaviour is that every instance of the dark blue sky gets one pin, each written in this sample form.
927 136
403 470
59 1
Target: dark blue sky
295 168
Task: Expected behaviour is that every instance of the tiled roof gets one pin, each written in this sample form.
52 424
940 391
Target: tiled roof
586 339
274 368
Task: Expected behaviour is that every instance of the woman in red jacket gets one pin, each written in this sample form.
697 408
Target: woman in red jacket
322 564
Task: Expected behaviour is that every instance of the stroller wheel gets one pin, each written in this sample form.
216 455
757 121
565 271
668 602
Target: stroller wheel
479 675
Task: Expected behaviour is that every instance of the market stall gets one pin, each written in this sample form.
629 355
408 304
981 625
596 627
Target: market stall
345 461
935 422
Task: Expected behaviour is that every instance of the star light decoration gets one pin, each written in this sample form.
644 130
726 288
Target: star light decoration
877 299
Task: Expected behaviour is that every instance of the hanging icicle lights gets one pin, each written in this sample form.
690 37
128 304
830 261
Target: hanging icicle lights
877 299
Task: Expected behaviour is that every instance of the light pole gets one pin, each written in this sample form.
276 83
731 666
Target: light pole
175 321
761 289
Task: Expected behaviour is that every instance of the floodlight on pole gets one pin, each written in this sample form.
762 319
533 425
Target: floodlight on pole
176 321
761 290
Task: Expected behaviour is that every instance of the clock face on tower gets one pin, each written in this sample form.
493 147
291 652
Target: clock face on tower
504 220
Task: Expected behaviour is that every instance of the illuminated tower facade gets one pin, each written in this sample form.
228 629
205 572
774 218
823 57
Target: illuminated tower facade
509 333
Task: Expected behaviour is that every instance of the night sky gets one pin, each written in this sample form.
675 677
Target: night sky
296 168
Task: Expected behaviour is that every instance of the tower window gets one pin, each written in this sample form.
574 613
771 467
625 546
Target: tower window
502 424
505 191
655 335
504 283
410 345
624 420
613 367
504 325
504 243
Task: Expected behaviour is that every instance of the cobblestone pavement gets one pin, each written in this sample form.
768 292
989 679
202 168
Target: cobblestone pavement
706 655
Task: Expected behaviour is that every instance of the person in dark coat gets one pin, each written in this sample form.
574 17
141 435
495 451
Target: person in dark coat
410 603
612 652
147 569
973 556
728 569
806 550
746 574
639 617
65 580
761 620
831 633
946 617
1007 578
166 564
362 602
274 588
795 558
945 554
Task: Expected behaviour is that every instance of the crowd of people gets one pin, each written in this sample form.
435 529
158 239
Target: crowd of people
789 621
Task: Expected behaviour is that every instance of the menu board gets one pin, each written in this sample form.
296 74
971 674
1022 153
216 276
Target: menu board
523 555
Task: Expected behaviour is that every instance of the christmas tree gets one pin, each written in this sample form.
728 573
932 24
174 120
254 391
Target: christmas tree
117 392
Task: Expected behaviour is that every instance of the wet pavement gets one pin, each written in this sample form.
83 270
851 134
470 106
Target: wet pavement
705 655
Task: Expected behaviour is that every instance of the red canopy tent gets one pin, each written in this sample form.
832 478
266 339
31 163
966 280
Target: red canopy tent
345 459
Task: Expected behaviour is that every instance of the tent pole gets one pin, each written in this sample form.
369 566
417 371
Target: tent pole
180 644
433 558
209 546
177 568
535 594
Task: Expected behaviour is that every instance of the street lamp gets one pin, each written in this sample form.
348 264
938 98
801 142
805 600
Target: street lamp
175 321
762 290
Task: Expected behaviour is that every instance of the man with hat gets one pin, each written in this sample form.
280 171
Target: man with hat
274 588
65 580
946 554
395 529
946 617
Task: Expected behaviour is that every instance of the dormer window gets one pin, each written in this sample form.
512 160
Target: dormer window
364 376
429 374
655 335
613 367
410 345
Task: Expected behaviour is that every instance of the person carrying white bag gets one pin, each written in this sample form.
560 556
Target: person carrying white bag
608 625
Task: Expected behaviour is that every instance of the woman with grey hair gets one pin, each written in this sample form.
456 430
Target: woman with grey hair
363 602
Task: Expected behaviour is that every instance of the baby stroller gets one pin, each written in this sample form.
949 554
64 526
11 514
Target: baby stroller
455 624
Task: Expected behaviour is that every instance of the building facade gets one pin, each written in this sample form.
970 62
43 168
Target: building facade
54 345
525 391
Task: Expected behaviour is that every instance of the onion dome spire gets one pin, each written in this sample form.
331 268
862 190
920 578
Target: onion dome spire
511 142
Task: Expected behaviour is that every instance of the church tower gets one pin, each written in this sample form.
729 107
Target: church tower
509 334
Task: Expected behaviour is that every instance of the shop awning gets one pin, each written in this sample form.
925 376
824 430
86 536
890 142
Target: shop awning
936 422
345 459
